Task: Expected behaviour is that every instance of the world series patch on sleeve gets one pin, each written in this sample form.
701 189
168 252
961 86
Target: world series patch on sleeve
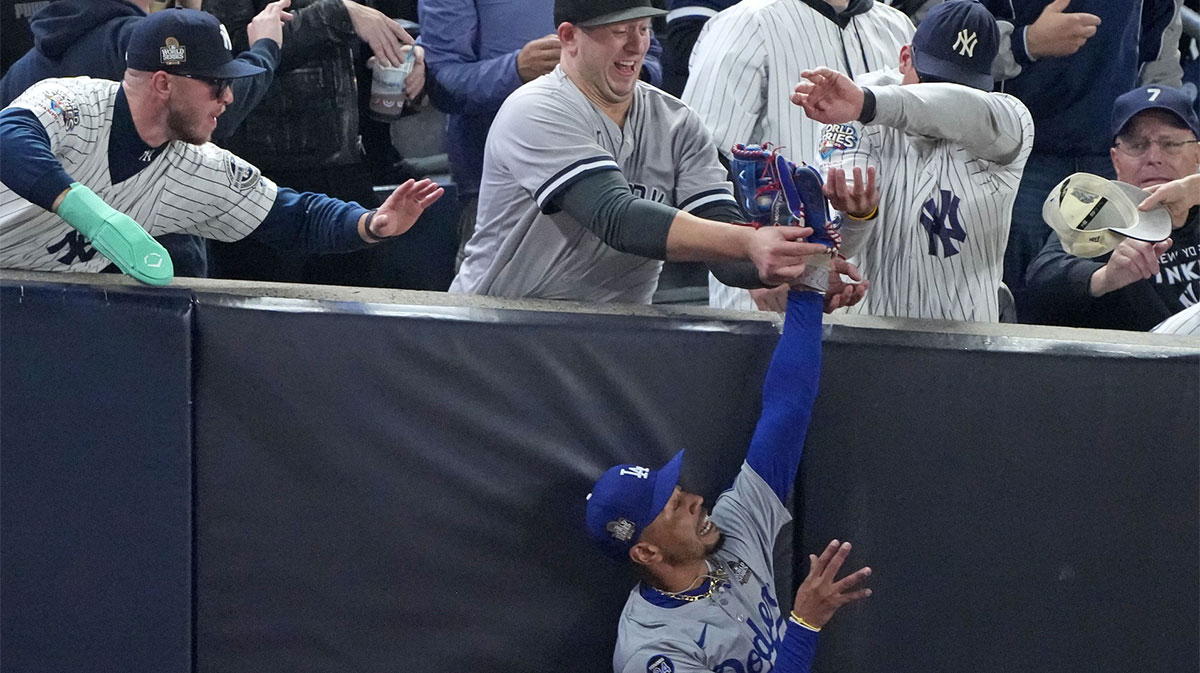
838 137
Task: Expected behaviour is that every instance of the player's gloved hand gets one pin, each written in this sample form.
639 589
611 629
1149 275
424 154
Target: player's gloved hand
819 596
116 236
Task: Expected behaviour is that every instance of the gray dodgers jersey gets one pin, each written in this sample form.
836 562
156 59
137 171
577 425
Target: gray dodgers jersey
738 628
936 249
747 62
196 189
547 136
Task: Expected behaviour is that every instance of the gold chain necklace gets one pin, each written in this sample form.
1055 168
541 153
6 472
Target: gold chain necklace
717 578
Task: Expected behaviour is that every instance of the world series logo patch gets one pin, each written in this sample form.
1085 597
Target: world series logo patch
62 107
172 53
838 137
660 663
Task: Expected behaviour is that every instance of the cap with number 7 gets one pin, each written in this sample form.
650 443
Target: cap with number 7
1155 97
625 500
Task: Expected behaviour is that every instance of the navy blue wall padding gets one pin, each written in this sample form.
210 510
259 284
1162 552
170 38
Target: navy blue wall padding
95 485
381 494
1022 511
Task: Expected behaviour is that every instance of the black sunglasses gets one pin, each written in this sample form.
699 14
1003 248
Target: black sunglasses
218 84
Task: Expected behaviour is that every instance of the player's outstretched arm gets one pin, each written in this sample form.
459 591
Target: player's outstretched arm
819 597
789 391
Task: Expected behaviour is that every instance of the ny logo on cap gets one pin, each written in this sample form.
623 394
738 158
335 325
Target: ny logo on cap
225 39
621 529
172 53
965 44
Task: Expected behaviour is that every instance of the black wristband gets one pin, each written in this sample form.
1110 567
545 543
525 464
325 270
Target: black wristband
868 107
371 237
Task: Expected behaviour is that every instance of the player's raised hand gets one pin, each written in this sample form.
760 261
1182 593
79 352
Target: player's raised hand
401 210
1177 196
1131 261
1057 32
857 200
382 33
821 594
839 293
779 255
828 96
269 22
538 57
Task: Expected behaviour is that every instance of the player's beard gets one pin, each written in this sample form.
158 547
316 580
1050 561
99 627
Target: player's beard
183 125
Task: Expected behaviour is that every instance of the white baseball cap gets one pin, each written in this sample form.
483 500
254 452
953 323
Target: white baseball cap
1091 215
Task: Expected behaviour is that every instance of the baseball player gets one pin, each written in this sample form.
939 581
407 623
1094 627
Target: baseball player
707 599
749 57
87 159
950 155
592 177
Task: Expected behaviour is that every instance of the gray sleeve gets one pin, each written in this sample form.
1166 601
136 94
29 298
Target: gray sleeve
1005 66
991 126
736 273
1166 69
603 203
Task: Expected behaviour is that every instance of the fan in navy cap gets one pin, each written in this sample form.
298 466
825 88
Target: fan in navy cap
707 601
1156 142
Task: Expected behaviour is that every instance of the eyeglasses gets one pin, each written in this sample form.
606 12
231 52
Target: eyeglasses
217 84
1138 146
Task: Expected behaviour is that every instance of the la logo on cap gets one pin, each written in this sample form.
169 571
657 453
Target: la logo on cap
965 44
172 53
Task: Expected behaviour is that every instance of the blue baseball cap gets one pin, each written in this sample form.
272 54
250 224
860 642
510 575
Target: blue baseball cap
625 500
1154 97
185 42
957 42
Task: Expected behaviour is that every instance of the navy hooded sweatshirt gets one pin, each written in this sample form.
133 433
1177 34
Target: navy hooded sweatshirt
89 38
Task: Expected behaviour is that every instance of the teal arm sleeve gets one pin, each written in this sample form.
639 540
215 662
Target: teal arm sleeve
116 236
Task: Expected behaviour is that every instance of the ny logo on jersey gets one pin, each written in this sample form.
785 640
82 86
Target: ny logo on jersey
965 44
77 246
941 221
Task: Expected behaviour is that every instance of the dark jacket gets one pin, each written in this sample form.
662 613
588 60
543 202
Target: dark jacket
309 117
1071 98
89 37
1058 284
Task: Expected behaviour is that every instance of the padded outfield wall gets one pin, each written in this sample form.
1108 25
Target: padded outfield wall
207 479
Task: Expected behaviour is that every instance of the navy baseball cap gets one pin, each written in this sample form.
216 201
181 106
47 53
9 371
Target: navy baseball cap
957 42
185 42
587 13
1154 97
625 500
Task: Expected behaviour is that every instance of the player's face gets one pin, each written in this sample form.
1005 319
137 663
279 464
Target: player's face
193 108
683 531
1152 149
609 58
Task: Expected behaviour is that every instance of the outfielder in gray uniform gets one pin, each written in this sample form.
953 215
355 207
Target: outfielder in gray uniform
949 154
82 155
592 177
707 600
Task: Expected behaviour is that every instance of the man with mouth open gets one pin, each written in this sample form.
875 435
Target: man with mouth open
87 160
591 178
707 600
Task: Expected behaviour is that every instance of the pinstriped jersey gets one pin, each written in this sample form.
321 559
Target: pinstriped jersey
747 62
546 137
196 189
738 628
1186 322
949 159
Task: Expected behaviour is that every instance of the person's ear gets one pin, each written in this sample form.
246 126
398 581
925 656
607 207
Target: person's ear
645 554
